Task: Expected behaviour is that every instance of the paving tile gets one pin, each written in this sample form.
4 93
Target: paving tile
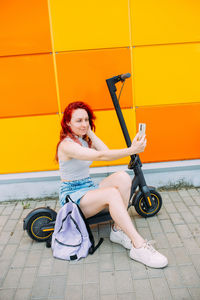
163 215
16 214
196 199
193 192
107 283
10 225
74 292
146 233
170 208
191 246
57 287
196 262
59 267
160 289
189 276
155 227
183 193
23 294
176 218
121 261
4 267
91 291
19 259
75 274
183 231
27 278
167 226
180 294
109 297
181 256
175 196
91 273
8 210
12 278
143 289
195 293
33 258
7 294
161 240
4 238
124 283
189 201
195 210
181 207
141 223
155 272
9 251
173 277
41 287
106 262
174 240
188 217
3 220
106 246
126 296
138 270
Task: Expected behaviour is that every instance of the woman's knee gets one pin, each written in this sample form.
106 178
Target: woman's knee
113 195
123 179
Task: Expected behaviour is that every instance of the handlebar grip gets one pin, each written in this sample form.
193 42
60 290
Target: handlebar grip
125 76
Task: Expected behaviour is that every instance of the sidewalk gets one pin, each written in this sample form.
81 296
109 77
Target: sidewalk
28 270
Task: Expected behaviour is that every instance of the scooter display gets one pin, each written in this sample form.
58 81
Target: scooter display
40 222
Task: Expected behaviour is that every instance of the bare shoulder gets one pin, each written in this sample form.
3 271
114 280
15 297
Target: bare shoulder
64 149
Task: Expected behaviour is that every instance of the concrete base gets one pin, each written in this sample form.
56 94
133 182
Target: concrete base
46 184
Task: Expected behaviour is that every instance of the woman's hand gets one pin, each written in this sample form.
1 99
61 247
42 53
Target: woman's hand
89 132
139 143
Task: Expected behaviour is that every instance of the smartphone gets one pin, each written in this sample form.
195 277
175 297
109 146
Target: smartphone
142 129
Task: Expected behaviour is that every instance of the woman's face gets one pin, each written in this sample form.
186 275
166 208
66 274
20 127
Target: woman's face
79 123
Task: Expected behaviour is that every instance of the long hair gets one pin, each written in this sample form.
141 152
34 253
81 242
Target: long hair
66 130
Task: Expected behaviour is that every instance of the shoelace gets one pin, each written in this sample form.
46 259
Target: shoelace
148 245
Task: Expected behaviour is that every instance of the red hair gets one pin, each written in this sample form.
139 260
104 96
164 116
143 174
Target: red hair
66 130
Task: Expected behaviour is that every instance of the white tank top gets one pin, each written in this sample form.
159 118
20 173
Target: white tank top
74 169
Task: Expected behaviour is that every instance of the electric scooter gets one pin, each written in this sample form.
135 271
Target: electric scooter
40 222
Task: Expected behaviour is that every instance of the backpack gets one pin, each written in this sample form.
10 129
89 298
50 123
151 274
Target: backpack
72 238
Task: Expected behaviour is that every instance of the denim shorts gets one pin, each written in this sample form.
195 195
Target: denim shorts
76 189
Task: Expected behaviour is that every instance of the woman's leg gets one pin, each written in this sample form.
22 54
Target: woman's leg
95 201
122 181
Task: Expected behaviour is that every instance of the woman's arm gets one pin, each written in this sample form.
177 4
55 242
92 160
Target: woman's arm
73 150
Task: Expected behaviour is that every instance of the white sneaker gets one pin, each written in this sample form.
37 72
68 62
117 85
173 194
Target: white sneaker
148 256
121 238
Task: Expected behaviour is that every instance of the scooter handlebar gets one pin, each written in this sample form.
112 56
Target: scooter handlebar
125 76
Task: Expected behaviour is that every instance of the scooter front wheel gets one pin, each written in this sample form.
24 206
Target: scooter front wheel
35 224
141 207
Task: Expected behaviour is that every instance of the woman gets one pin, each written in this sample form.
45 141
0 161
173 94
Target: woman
77 148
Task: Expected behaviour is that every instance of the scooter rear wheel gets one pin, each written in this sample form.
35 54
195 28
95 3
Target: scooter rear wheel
36 223
141 207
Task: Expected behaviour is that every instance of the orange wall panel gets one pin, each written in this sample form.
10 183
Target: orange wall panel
87 24
27 85
82 75
172 132
29 144
165 21
24 27
109 131
166 74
